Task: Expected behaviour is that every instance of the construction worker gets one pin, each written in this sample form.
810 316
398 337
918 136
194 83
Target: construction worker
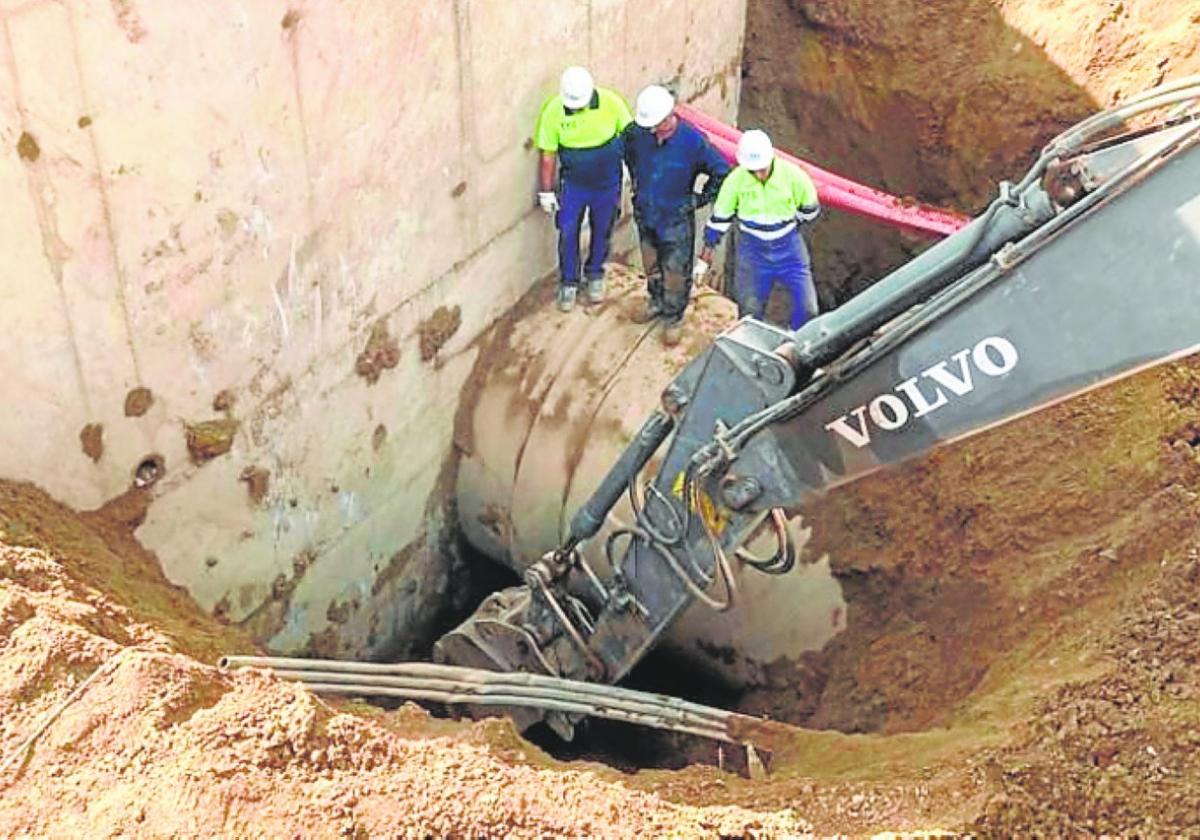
665 157
771 198
579 134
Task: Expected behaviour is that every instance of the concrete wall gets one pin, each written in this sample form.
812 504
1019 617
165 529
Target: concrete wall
255 211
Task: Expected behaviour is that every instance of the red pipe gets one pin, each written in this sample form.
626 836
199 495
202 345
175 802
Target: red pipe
837 191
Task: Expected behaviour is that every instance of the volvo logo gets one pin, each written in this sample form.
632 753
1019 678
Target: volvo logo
935 387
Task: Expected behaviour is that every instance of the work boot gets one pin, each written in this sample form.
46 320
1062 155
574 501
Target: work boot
673 332
595 290
652 311
566 298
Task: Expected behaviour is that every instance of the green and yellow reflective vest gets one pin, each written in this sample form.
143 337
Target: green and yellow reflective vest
766 211
587 140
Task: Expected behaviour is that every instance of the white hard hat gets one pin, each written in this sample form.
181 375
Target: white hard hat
755 151
576 87
654 104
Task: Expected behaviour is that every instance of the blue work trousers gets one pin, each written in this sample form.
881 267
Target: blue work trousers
761 264
602 207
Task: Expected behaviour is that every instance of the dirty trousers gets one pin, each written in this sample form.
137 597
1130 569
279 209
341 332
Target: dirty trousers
667 250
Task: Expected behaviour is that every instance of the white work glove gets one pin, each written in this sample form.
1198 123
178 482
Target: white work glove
548 202
699 270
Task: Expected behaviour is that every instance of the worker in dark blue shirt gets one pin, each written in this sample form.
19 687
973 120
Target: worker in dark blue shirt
665 157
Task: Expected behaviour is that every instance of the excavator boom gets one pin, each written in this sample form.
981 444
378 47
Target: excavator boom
1083 272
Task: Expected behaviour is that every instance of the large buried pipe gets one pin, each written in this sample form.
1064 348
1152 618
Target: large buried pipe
561 398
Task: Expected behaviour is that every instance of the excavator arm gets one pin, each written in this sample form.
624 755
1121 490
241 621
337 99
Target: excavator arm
1085 271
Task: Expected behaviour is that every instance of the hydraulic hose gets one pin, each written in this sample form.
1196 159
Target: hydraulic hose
1179 90
586 522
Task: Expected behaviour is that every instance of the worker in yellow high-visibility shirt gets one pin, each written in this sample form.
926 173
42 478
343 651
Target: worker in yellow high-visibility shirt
771 199
579 134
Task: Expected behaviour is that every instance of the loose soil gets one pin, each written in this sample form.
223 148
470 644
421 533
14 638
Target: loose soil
209 439
381 353
162 744
138 402
437 329
258 482
91 440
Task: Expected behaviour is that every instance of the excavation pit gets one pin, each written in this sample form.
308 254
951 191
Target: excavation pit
997 638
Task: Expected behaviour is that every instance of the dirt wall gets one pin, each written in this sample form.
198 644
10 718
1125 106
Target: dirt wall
941 99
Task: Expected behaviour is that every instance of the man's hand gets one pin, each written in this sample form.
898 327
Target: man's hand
548 201
699 270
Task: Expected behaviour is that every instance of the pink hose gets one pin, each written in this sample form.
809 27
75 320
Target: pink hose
837 191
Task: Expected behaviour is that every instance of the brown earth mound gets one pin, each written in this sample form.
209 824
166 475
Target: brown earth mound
154 743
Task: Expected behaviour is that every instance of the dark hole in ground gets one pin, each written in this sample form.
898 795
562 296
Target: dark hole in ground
622 746
475 577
